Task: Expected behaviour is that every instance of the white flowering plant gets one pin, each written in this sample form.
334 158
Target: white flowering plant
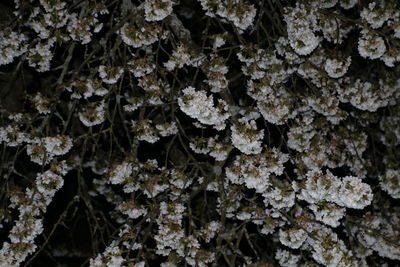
199 133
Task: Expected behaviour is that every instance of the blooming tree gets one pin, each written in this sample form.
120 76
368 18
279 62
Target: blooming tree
200 133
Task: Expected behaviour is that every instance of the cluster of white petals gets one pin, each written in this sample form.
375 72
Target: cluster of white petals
182 56
390 182
40 56
197 105
200 133
239 12
376 16
156 10
301 24
349 192
371 45
12 45
365 95
210 146
43 150
93 114
110 75
336 68
246 137
110 257
142 36
31 207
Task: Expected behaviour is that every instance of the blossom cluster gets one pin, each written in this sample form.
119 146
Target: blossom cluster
199 133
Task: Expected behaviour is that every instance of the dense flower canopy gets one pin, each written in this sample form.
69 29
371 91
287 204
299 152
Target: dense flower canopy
200 133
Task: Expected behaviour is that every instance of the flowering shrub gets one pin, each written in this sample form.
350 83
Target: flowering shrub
200 133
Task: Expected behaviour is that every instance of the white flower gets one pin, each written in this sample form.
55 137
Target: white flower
143 36
38 153
391 57
279 198
394 24
57 145
278 107
12 45
110 75
320 187
219 151
303 43
42 104
390 182
93 115
376 17
239 12
197 105
145 131
182 56
327 3
292 238
353 193
287 259
364 95
26 231
111 257
80 28
167 129
210 230
301 24
11 136
254 170
131 210
246 138
120 173
40 56
28 226
328 213
337 68
156 10
141 66
50 6
134 103
218 41
371 46
200 145
334 30
348 192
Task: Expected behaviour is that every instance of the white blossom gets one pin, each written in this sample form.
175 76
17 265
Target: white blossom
292 238
145 131
390 182
337 68
142 36
12 45
239 12
167 129
286 258
246 137
40 56
57 145
12 136
371 46
198 105
301 24
93 115
156 10
110 75
120 173
110 257
375 16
